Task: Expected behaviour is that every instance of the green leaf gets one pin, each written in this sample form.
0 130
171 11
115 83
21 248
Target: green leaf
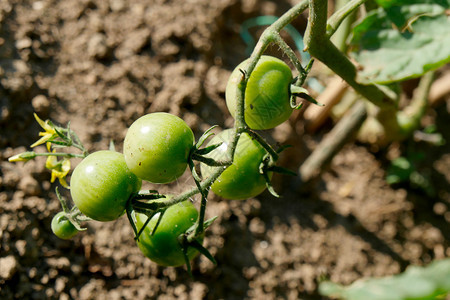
429 282
401 40
390 3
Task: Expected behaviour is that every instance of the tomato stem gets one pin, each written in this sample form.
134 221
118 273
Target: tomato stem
339 16
292 56
60 154
318 44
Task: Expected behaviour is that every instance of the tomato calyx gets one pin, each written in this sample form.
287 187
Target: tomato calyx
74 215
148 207
268 164
190 239
295 89
198 153
160 226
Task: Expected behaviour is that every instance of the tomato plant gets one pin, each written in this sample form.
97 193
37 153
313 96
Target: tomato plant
101 185
267 96
62 227
157 146
243 179
260 94
162 245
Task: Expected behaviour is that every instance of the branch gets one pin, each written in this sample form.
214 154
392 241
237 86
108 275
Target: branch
333 142
319 46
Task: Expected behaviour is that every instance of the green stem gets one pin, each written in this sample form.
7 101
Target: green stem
410 117
291 54
290 15
204 193
72 139
68 155
342 31
419 103
319 46
166 202
63 201
339 16
201 217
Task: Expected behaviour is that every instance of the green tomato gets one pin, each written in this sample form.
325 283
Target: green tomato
62 227
157 146
163 247
242 179
267 96
101 185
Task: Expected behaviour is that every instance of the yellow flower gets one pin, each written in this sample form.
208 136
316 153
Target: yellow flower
60 169
24 156
48 134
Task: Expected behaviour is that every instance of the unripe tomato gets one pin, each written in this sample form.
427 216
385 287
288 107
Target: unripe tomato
62 227
101 185
157 146
163 247
267 102
242 179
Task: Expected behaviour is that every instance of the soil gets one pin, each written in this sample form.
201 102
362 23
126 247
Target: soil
102 64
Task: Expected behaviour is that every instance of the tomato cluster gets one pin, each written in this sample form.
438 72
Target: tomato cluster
158 147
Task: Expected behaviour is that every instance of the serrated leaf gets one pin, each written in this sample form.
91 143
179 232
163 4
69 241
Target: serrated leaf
402 40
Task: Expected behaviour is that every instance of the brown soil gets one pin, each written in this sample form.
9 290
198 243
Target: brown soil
102 64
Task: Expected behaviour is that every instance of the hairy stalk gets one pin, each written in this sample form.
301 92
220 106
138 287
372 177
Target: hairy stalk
201 217
291 54
166 202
